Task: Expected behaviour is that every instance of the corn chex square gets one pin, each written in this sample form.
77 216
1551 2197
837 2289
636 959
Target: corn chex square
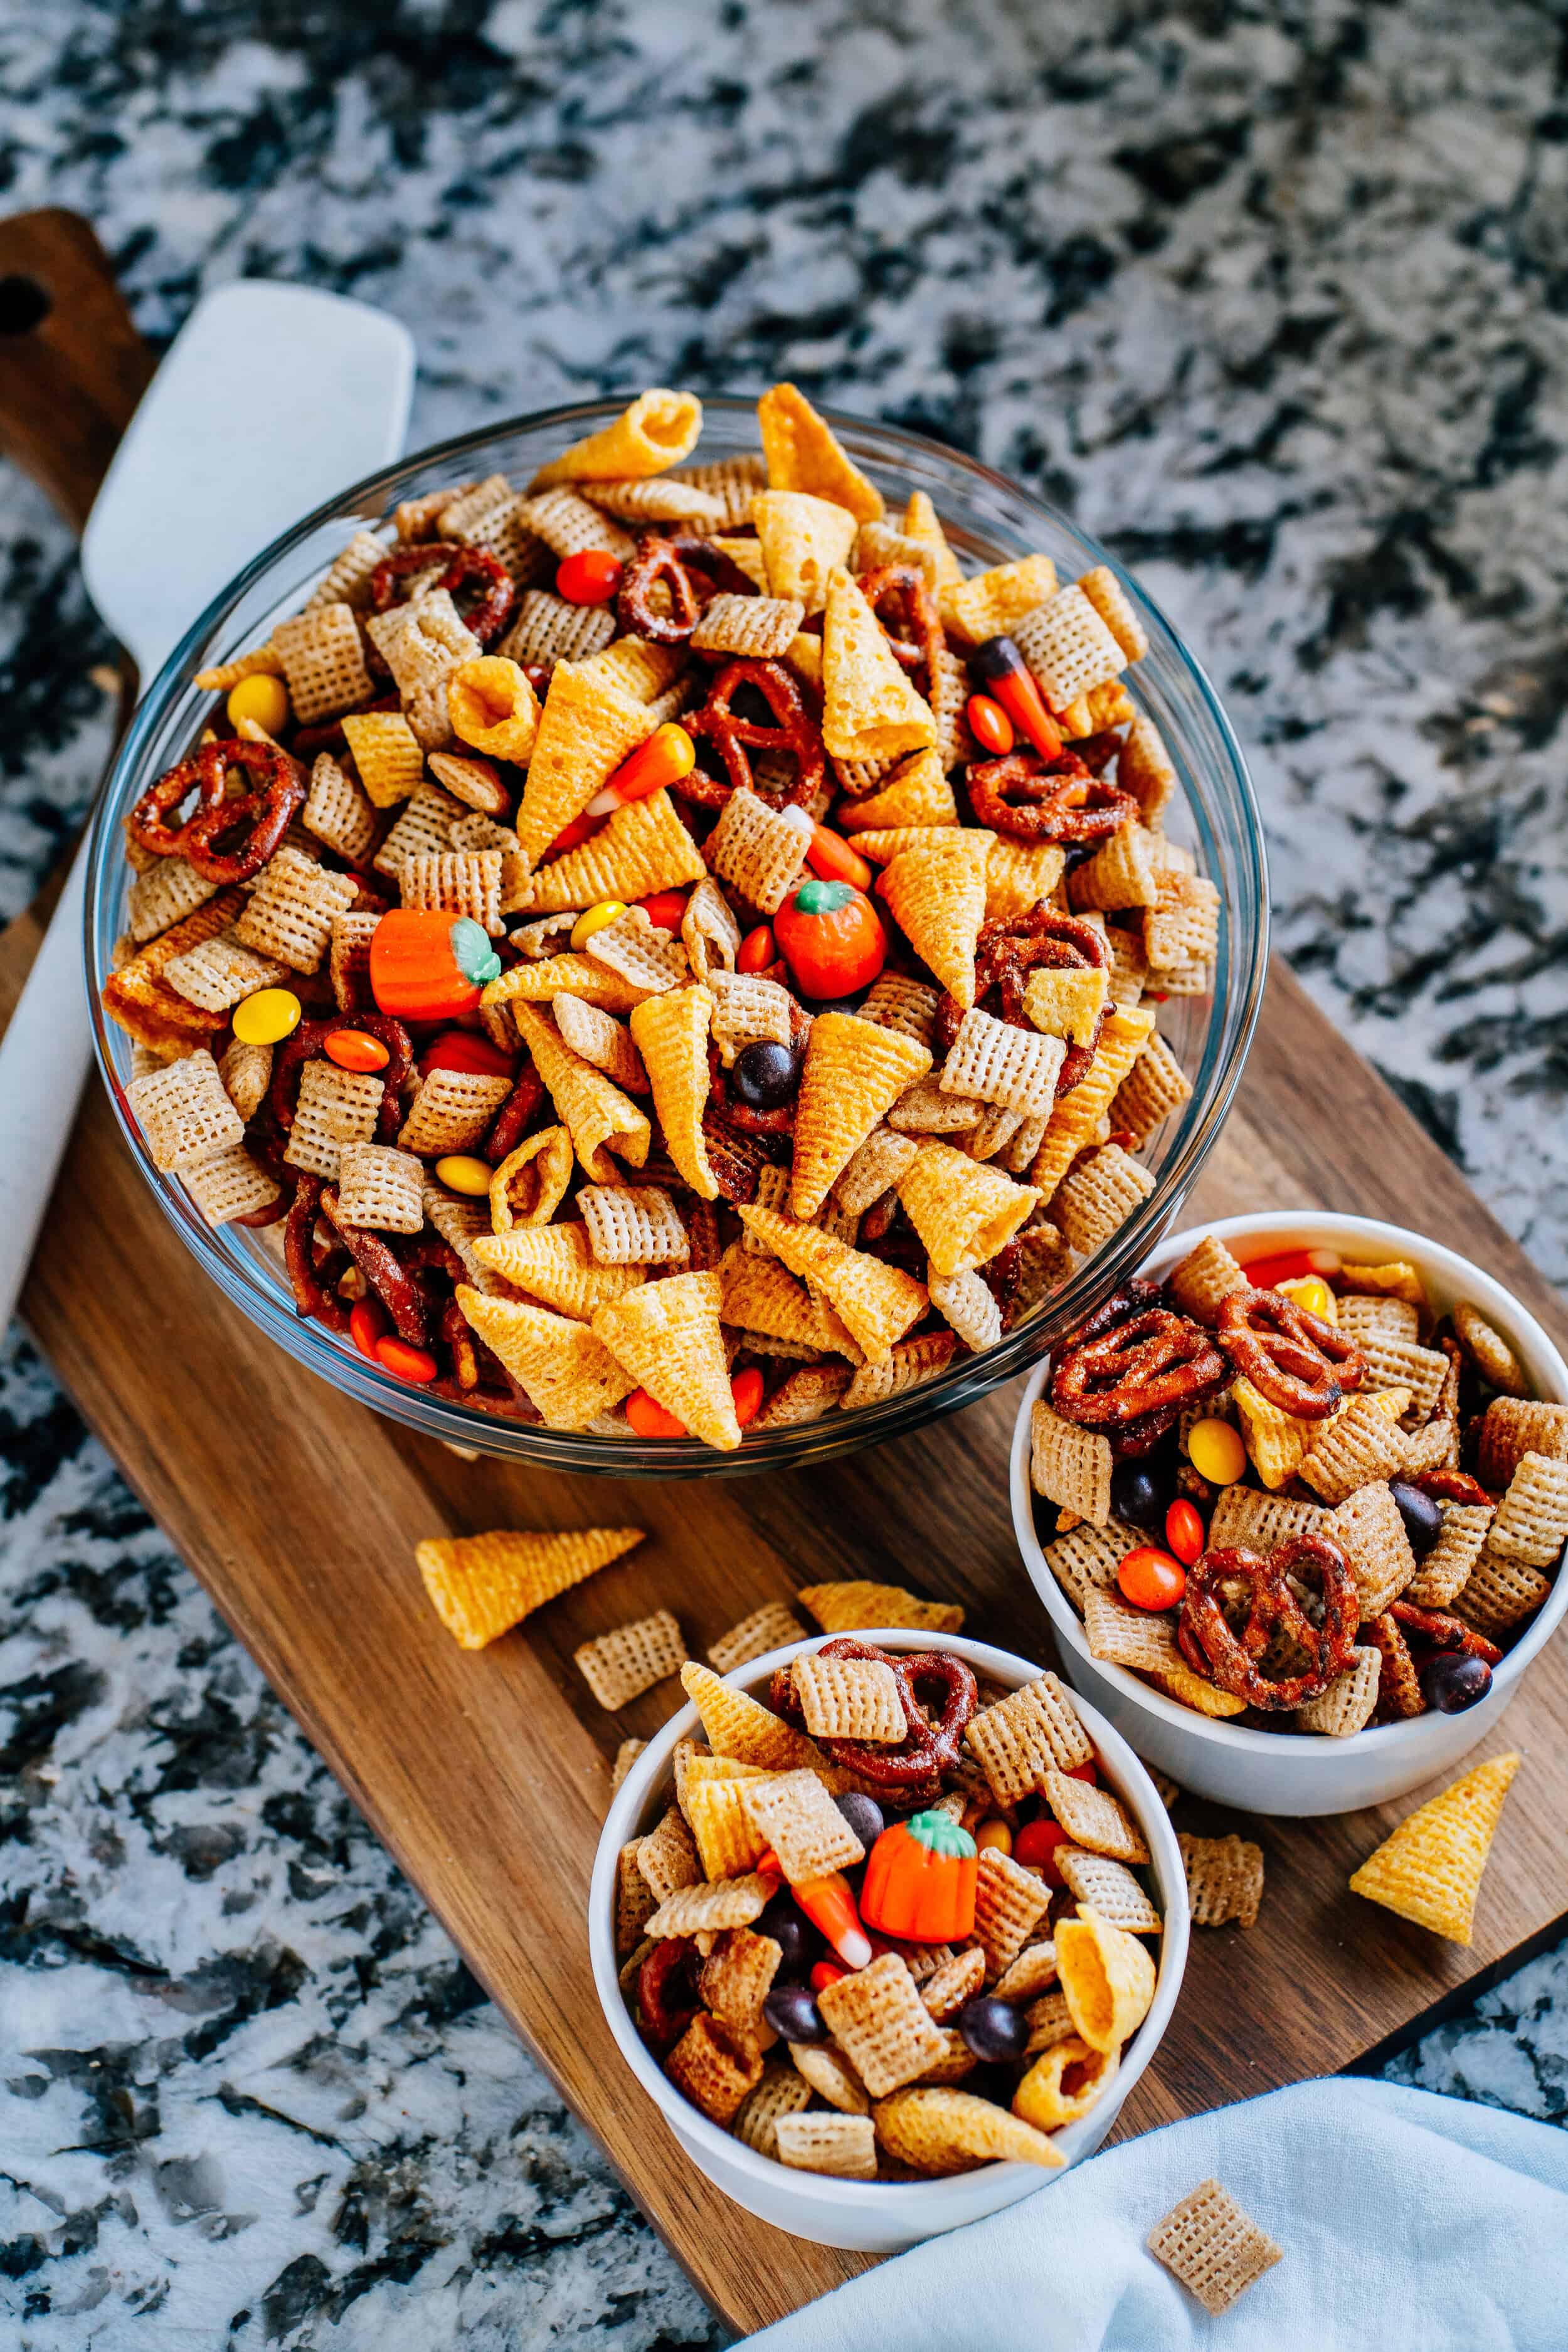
1531 1522
1128 1637
666 1857
956 1981
1109 1888
768 1628
850 1698
1031 1732
707 1906
636 1901
1009 1903
1086 1557
1070 1466
631 1658
992 1061
881 2024
801 1823
844 2145
736 1978
781 2092
185 1112
1212 2247
1094 1818
1224 1879
714 2069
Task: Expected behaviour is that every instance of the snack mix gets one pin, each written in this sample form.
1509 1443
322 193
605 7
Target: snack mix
659 949
889 1927
1292 1493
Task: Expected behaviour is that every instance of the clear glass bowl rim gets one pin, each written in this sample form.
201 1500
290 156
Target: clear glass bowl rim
1244 952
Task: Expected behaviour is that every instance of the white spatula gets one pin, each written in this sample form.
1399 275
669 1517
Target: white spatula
271 399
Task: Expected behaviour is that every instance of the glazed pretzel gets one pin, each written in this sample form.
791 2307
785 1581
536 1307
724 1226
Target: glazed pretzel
147 825
1008 949
265 806
1033 799
673 561
1291 1357
1449 1487
513 1119
930 1746
913 629
314 1268
794 732
1444 1631
1134 1357
667 1990
384 1271
1231 1657
251 822
463 565
308 1041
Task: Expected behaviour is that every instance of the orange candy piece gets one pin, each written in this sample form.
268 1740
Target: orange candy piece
1152 1579
757 949
356 1049
649 1419
405 1361
1184 1532
367 1324
589 577
990 726
830 856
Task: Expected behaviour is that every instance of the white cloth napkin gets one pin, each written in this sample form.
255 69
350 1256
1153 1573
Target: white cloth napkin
1409 2224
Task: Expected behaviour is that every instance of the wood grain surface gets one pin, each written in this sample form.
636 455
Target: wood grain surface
72 365
487 1775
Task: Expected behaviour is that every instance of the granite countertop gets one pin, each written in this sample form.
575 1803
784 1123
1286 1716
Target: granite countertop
1276 303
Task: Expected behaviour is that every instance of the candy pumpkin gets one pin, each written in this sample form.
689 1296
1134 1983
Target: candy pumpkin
428 966
920 1881
829 936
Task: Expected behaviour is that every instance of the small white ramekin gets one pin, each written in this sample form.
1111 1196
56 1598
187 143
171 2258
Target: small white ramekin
877 2217
1301 1772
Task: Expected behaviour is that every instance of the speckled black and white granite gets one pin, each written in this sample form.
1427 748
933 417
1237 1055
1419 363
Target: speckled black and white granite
1275 299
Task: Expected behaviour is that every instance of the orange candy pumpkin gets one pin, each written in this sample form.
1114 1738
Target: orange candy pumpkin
429 966
920 1881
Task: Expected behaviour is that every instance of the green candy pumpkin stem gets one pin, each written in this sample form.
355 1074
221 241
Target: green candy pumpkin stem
472 952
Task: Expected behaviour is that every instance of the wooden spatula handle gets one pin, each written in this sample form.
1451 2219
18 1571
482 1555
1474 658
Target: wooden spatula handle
72 365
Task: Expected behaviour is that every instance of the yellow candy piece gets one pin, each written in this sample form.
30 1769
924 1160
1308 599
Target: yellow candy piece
272 1014
1215 1452
994 1834
263 700
596 919
1310 1291
461 1172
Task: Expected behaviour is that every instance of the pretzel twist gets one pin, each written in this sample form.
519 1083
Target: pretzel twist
1291 1357
794 732
1231 1656
1133 1359
1033 799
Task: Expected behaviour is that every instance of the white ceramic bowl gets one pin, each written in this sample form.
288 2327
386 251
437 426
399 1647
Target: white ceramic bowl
878 2217
1301 1772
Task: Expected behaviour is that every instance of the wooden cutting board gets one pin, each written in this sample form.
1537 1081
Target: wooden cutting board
487 1776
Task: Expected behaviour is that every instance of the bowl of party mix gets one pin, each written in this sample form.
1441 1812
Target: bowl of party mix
1297 1500
887 1975
668 938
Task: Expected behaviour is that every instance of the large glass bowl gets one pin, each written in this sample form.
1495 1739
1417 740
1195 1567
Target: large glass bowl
988 519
